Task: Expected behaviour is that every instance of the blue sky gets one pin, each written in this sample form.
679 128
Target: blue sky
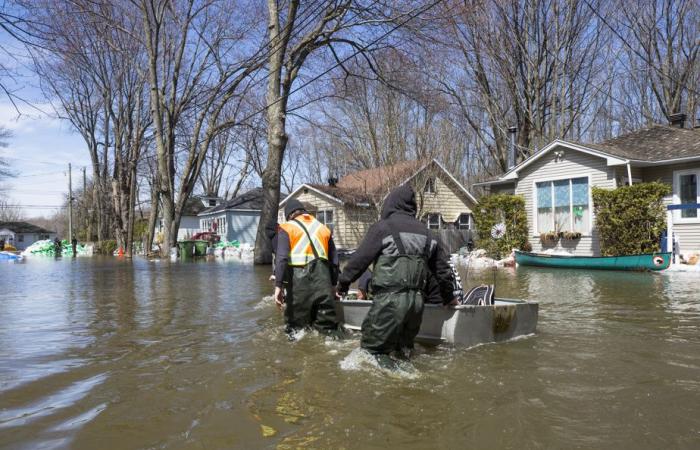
40 148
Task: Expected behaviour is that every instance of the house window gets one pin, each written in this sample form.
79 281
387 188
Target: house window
20 238
430 186
212 202
433 221
686 191
563 205
325 217
464 222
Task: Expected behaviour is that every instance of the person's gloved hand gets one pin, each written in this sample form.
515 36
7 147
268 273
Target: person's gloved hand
340 292
454 302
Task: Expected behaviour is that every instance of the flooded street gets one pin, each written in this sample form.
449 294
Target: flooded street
106 353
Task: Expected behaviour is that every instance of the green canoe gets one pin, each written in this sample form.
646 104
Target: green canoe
649 261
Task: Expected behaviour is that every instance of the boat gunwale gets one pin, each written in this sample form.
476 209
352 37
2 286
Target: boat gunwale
507 301
548 255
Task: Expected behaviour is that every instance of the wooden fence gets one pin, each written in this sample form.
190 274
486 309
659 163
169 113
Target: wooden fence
453 240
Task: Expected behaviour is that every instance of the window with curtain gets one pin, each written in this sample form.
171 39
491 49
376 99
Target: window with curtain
563 205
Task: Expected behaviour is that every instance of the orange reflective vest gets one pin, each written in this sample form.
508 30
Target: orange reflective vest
301 244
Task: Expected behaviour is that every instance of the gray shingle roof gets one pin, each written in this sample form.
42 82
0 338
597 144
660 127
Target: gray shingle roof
251 200
655 143
24 227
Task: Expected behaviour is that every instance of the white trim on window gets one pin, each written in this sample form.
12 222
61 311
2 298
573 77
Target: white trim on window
676 194
586 233
468 224
430 223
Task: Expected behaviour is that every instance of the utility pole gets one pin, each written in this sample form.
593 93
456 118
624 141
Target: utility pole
85 206
70 206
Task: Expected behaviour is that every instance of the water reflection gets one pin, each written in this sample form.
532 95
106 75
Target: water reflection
167 354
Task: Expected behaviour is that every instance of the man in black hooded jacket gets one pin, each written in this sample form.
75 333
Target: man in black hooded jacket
404 254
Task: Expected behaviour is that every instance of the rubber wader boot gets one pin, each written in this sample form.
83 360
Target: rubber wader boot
310 299
395 316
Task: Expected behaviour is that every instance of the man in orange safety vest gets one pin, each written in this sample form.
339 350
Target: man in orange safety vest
306 271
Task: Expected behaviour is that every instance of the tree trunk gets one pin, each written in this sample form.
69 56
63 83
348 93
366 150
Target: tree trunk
152 219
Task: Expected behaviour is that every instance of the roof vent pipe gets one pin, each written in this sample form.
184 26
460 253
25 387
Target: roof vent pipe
677 120
512 151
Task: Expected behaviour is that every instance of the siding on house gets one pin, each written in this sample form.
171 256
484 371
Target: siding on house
242 226
349 223
621 175
573 165
502 189
444 201
23 240
688 233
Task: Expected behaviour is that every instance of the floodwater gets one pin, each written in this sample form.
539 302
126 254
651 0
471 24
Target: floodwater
102 353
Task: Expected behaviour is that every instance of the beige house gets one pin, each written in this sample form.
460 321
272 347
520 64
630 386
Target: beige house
351 204
556 183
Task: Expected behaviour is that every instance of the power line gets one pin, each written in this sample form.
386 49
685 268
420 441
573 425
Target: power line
38 161
346 59
39 174
34 206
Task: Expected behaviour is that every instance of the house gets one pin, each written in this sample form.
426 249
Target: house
189 222
556 182
23 234
351 204
235 219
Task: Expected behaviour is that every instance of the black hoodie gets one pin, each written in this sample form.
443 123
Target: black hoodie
399 218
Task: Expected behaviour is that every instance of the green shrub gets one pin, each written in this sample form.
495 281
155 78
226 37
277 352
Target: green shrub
501 208
106 247
630 219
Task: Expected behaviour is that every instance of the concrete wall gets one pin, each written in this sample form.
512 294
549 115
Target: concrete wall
573 165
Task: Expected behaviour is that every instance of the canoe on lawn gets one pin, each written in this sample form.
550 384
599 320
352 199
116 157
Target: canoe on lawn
649 261
466 325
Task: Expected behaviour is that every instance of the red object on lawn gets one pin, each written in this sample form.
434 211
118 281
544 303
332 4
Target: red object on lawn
207 236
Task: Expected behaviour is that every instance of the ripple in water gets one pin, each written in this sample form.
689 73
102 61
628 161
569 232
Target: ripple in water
361 360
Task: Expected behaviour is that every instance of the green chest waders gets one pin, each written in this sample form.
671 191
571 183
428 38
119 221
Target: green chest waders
309 299
398 285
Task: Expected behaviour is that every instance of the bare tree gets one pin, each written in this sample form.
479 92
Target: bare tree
661 56
5 169
296 32
194 72
524 64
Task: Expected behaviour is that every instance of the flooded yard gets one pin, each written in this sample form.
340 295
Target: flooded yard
107 353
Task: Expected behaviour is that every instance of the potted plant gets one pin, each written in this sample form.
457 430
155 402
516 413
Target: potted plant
571 235
549 237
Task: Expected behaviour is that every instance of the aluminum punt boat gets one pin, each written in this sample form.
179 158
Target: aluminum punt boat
464 325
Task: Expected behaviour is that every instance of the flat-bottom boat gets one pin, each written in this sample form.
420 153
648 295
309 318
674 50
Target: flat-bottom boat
466 325
649 261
